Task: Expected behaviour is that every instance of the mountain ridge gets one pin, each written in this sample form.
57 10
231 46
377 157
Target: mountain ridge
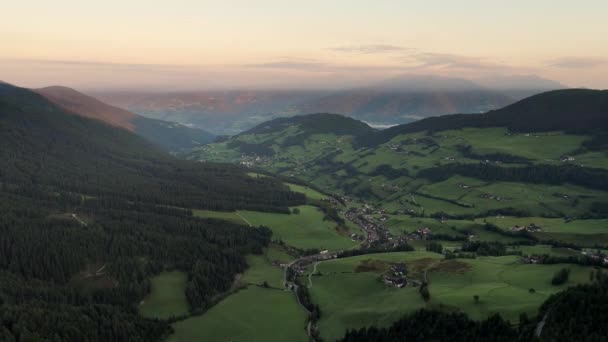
572 110
170 136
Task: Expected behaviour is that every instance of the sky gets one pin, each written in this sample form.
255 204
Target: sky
277 44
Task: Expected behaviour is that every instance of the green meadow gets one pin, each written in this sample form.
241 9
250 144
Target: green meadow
309 192
304 230
504 285
352 297
167 298
253 314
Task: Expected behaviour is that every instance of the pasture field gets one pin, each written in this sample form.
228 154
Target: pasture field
304 230
253 314
310 193
167 297
554 225
535 146
261 268
350 299
502 283
593 159
539 200
352 296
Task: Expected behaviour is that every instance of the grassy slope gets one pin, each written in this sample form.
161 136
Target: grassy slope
350 299
304 230
502 283
253 313
354 300
167 296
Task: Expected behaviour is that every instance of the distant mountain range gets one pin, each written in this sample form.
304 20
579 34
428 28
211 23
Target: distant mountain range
394 101
170 136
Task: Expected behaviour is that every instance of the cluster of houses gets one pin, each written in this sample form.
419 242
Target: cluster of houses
597 256
362 217
251 161
532 228
421 234
566 158
397 276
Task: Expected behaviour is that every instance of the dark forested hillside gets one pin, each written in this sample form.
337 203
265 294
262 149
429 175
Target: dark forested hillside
570 110
77 194
315 124
168 135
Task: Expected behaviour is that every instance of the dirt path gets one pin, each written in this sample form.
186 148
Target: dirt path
244 219
314 270
79 220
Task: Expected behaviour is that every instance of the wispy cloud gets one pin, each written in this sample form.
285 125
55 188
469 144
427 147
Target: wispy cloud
309 65
577 62
371 49
454 62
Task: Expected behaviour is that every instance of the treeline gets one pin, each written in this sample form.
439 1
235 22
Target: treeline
375 250
578 313
424 325
593 178
467 152
389 172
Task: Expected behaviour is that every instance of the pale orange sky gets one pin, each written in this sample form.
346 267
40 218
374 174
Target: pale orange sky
184 44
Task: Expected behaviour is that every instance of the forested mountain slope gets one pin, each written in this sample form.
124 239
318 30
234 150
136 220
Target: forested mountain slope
168 135
572 110
90 212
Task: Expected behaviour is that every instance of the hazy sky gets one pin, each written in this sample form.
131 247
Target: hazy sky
182 44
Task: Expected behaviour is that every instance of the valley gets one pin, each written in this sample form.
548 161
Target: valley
304 171
486 231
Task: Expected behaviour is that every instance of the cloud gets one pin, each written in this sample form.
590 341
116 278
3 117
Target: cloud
309 65
95 64
452 61
577 62
371 49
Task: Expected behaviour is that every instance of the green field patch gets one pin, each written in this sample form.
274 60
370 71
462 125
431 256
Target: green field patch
265 268
253 314
503 285
352 300
309 192
167 297
305 230
535 146
554 225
